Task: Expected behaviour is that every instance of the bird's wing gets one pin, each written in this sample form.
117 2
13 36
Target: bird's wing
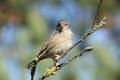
34 62
48 42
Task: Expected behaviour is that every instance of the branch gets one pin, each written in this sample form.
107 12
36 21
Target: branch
88 48
96 27
54 68
52 71
97 12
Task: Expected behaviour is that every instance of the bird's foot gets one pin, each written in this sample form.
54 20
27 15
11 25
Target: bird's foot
58 58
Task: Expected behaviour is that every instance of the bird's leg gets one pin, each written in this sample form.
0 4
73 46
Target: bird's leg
56 59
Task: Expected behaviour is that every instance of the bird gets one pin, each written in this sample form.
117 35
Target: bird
58 42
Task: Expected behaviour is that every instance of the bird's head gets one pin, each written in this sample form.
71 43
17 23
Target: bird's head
63 25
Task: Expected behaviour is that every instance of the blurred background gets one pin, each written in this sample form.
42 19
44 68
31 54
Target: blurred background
26 24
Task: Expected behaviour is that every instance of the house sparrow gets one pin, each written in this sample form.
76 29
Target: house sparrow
58 42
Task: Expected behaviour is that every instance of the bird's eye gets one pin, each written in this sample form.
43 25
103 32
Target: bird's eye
58 25
65 24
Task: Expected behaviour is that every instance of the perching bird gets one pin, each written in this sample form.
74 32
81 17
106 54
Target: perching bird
58 42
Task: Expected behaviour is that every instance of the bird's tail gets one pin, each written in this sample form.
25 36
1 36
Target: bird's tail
32 66
32 63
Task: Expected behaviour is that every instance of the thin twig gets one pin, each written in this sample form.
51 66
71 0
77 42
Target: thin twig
97 12
58 67
88 48
54 68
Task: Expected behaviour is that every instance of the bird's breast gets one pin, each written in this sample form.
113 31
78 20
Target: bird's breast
60 42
